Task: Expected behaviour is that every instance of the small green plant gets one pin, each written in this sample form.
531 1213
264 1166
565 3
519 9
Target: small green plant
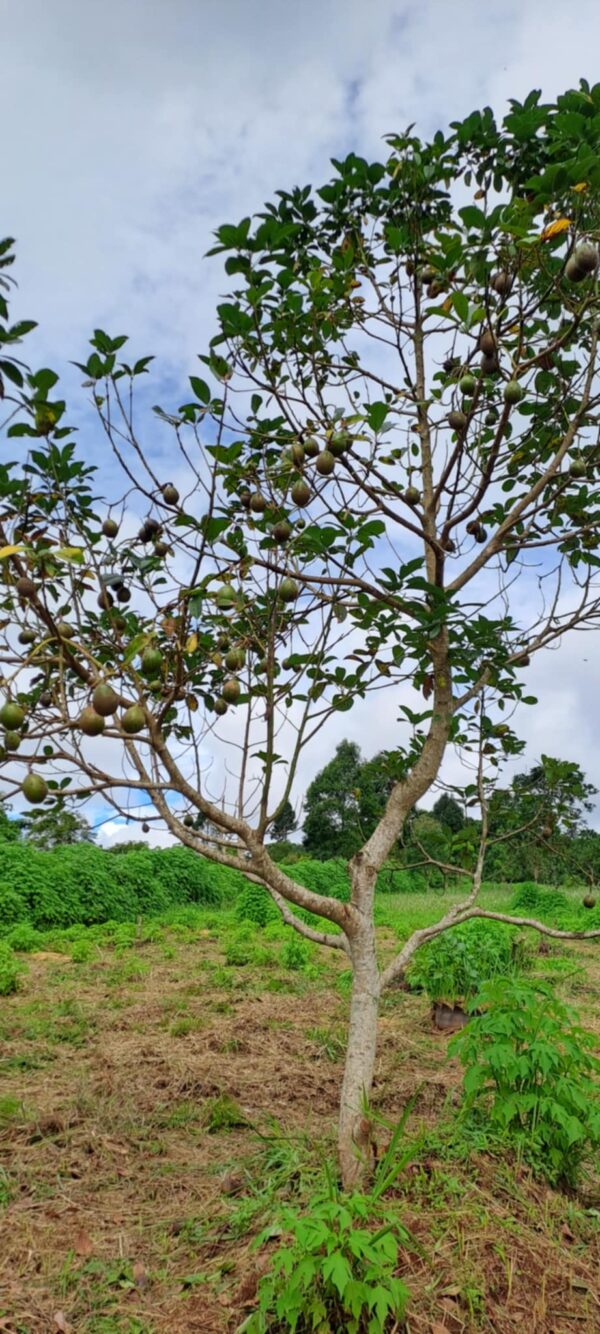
532 1076
82 951
296 952
240 949
455 965
24 938
254 904
223 1113
336 1271
11 970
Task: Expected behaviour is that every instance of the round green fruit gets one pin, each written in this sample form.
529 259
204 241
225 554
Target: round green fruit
288 590
105 600
311 447
90 722
467 385
281 532
231 690
110 527
589 901
235 659
46 699
411 495
170 494
64 630
578 468
258 503
491 417
133 720
189 821
458 421
513 392
220 706
325 463
27 636
161 548
12 740
297 454
12 716
339 442
225 598
301 493
34 788
151 662
104 700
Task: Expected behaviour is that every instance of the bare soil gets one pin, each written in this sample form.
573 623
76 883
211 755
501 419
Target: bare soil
132 1200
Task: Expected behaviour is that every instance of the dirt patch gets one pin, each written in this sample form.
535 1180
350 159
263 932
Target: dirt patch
144 1113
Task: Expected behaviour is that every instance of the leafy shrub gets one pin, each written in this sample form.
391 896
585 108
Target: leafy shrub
254 904
544 902
330 877
399 880
532 1076
336 1272
10 970
240 949
296 952
13 906
455 964
24 938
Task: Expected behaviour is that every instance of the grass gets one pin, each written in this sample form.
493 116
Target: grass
165 1091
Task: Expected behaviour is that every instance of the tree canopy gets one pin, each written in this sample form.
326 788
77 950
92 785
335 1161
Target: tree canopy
395 424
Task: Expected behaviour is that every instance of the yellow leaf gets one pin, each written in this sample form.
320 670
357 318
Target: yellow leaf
192 643
74 554
9 551
580 187
447 305
555 228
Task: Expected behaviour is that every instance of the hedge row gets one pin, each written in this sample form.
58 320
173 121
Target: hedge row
88 885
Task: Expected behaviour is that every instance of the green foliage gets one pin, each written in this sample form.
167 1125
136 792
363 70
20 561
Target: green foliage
85 884
336 1271
55 827
24 938
456 963
324 877
284 823
10 970
254 904
531 1074
296 952
344 801
448 812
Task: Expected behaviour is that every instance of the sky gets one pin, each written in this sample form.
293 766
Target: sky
132 128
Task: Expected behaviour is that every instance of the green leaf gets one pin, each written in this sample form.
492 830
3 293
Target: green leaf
200 389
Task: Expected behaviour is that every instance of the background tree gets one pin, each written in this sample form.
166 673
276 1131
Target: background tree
447 810
284 824
399 427
54 827
331 806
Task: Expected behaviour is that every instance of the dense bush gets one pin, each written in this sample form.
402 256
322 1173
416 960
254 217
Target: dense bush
87 884
532 1076
329 877
254 904
456 964
554 907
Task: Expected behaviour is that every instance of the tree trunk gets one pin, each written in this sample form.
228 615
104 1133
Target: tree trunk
355 1145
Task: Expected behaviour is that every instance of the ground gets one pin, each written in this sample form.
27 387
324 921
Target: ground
159 1100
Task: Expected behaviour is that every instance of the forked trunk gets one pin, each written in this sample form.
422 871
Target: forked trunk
355 1145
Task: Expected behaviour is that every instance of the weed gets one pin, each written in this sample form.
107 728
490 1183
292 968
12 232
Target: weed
332 1044
181 1028
223 1113
11 970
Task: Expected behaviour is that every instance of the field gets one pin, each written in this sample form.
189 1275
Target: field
165 1087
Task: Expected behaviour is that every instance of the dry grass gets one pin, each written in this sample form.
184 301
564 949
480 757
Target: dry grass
132 1197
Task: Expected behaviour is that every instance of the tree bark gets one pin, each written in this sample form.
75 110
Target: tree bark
355 1142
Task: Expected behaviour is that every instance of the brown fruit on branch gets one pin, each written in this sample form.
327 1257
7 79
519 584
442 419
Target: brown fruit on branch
502 283
110 527
105 600
220 706
311 447
487 343
589 901
258 503
25 587
188 821
458 420
281 532
123 594
411 495
170 494
27 636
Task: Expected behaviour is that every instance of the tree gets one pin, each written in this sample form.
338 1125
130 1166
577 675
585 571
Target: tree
54 827
534 824
397 434
284 823
10 830
331 806
449 813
